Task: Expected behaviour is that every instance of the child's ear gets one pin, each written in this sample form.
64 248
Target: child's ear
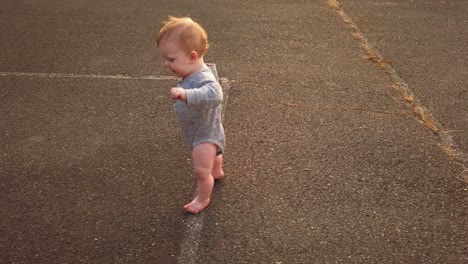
193 56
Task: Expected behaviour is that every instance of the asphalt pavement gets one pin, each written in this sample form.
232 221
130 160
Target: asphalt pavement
333 156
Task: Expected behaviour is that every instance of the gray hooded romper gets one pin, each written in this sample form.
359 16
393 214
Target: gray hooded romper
200 116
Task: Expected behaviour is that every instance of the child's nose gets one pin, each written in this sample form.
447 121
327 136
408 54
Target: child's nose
166 63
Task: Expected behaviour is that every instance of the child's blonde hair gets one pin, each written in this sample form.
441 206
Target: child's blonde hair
188 33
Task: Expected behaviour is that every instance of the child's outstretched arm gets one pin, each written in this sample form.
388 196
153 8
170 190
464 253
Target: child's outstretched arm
209 95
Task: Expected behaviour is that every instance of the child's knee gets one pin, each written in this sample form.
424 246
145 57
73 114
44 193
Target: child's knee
202 172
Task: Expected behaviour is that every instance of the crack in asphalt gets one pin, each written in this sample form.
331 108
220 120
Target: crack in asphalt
420 113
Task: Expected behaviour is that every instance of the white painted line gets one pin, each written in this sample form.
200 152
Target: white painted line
192 236
89 76
93 76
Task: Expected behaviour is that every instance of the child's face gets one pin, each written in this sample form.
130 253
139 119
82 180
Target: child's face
175 58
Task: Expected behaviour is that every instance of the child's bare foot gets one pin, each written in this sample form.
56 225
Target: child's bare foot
196 206
218 175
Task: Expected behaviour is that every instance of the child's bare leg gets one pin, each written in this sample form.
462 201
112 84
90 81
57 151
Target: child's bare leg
203 157
217 171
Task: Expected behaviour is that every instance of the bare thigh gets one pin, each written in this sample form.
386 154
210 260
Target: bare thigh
203 157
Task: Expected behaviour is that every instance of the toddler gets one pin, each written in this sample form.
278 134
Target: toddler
197 101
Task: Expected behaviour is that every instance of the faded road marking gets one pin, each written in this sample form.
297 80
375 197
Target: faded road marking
93 76
88 76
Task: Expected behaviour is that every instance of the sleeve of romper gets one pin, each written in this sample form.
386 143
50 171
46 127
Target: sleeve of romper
208 95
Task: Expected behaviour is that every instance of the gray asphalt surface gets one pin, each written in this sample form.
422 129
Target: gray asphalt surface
326 163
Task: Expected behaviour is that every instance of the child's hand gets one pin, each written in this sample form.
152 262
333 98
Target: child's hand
178 93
